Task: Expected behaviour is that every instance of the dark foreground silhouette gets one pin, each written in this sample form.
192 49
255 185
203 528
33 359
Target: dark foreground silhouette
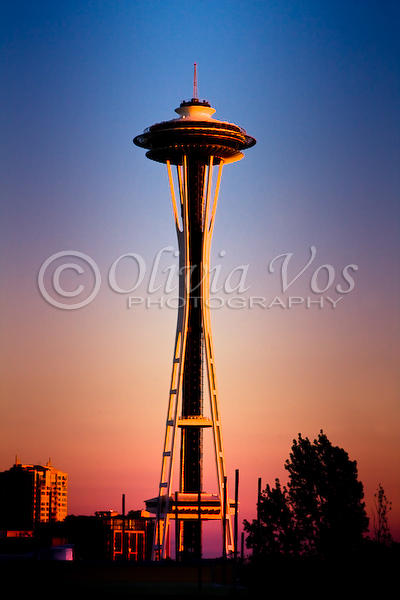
372 569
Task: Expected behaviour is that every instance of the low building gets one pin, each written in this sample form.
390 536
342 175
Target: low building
127 537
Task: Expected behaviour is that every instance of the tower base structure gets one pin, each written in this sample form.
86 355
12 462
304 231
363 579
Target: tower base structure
184 507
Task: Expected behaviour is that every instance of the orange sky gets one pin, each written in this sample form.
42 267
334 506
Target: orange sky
89 388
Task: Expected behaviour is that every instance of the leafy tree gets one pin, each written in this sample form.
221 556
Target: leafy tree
275 531
382 507
320 512
326 496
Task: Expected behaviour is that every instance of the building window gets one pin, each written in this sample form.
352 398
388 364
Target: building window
118 541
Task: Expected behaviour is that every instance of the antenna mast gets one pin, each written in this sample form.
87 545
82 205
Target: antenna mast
195 93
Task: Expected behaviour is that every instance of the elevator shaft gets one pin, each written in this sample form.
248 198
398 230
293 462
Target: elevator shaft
191 463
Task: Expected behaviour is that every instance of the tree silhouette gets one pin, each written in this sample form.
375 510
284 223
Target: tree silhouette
326 496
382 507
320 512
274 532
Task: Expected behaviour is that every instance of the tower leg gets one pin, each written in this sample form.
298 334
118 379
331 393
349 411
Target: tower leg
159 549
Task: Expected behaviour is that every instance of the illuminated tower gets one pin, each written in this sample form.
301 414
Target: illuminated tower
196 144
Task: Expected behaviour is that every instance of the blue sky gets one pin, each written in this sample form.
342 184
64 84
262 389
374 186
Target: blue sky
316 83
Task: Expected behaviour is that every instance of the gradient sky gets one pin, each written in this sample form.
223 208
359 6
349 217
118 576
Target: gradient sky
317 84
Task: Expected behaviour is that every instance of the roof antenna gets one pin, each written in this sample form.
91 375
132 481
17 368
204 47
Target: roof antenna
195 93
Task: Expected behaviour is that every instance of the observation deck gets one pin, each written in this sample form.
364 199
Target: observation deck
195 133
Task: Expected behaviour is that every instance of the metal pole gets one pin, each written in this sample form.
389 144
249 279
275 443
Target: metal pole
123 545
258 516
176 528
199 518
236 514
224 520
158 525
200 574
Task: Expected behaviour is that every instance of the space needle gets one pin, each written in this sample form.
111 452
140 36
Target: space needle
198 146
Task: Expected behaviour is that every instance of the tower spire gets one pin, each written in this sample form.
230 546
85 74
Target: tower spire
195 92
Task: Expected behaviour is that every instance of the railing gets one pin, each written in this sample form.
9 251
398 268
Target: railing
186 123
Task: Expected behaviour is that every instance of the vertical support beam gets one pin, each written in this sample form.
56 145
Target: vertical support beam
199 518
173 198
158 531
224 518
216 194
200 571
177 533
235 543
123 544
258 515
167 540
